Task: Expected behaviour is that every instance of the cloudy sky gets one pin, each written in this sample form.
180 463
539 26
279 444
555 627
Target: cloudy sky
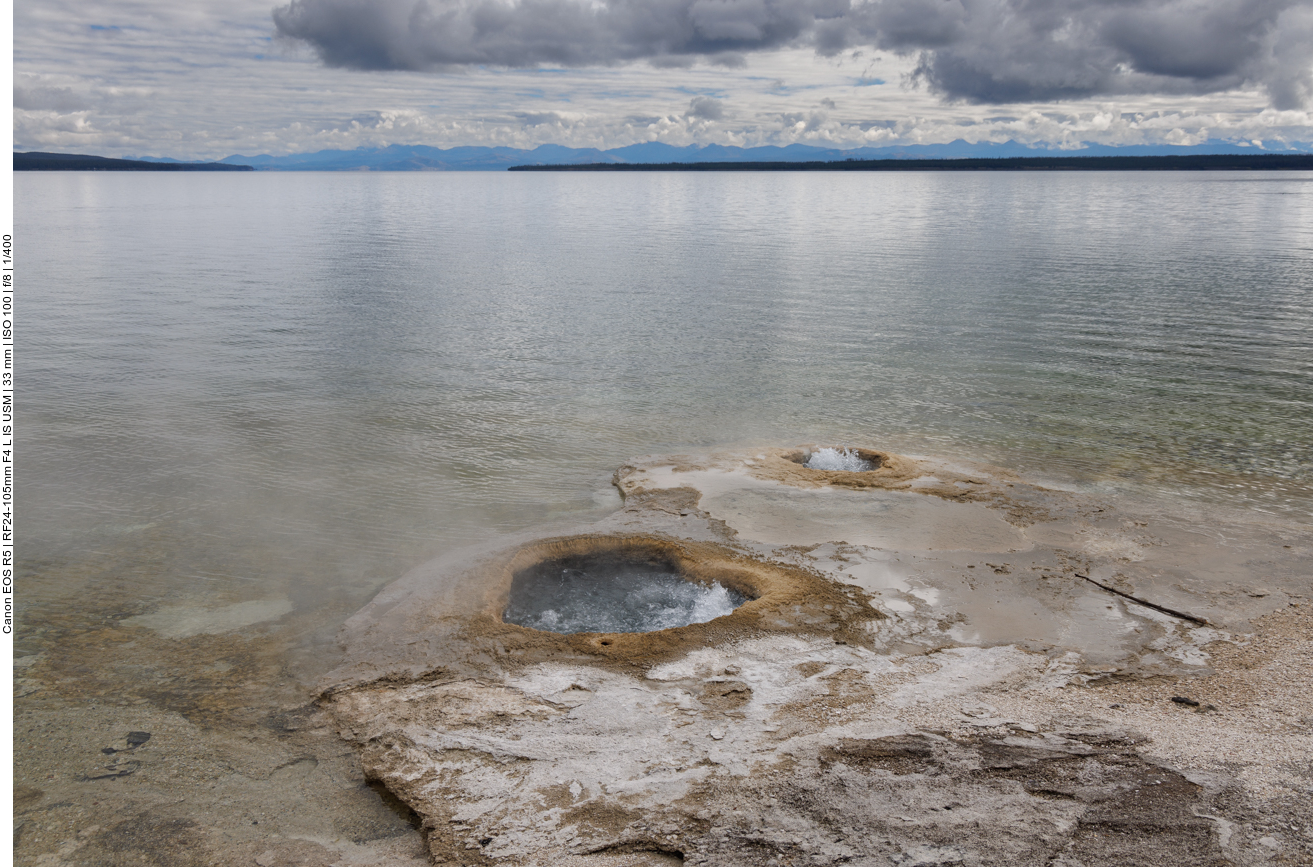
208 78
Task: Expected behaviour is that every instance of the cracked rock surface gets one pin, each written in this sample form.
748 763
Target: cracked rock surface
939 664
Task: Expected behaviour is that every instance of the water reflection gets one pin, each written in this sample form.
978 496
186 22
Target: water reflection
309 383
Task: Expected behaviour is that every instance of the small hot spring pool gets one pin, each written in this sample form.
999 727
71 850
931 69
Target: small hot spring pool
612 593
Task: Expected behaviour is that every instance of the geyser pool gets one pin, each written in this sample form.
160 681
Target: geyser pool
613 594
845 460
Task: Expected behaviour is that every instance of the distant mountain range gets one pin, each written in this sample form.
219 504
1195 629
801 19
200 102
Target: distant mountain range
412 158
1175 162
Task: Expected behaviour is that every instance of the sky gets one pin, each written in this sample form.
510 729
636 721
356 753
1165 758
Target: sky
205 79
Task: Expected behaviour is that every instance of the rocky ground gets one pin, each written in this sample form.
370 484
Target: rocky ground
940 665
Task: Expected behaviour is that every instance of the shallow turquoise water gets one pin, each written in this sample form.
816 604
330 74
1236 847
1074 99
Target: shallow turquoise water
241 385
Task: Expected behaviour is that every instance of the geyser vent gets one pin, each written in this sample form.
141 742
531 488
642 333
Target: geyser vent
840 460
613 592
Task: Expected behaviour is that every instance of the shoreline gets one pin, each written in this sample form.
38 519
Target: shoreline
1190 162
986 668
925 696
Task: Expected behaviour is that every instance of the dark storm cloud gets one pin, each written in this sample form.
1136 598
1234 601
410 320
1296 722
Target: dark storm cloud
705 108
988 51
1039 50
427 34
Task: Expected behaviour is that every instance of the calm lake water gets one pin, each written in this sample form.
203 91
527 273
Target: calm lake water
244 387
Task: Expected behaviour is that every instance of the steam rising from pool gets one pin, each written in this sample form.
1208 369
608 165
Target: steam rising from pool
846 460
614 597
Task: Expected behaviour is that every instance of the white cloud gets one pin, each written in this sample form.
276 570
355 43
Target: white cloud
205 80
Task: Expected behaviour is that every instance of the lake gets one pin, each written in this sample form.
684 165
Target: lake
247 402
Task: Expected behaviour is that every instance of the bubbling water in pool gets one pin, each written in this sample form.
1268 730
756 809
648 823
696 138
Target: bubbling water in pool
846 460
614 597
